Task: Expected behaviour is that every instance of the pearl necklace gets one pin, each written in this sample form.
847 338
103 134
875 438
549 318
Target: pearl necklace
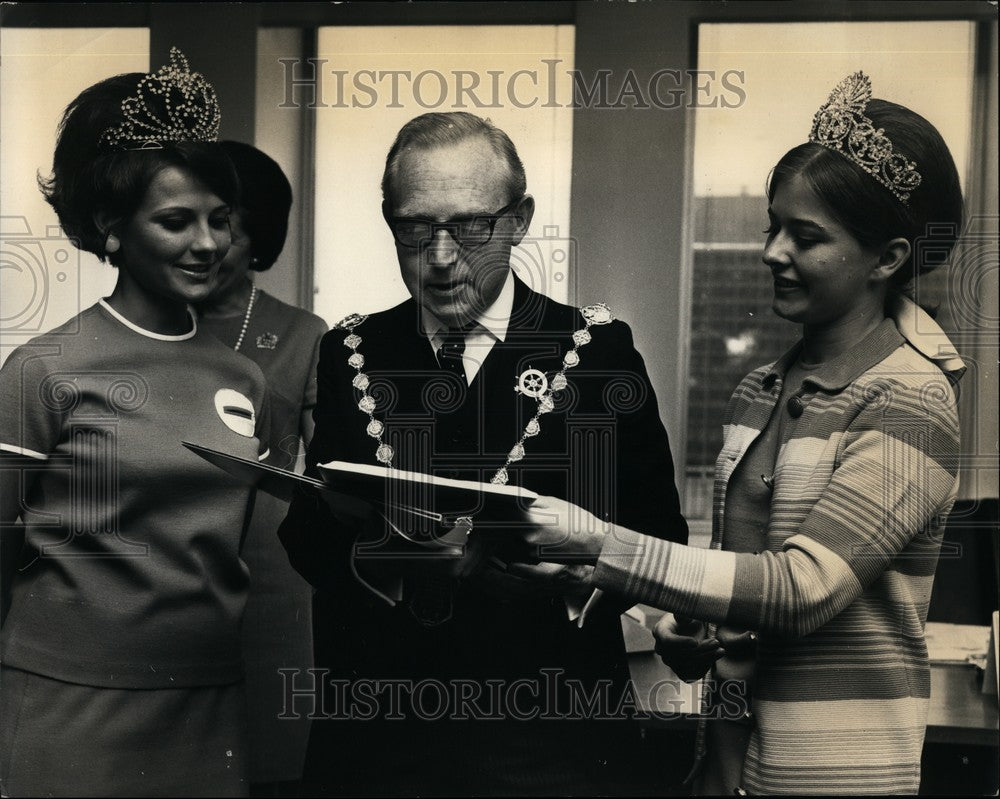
246 318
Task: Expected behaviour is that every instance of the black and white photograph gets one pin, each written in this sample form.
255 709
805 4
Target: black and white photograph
527 398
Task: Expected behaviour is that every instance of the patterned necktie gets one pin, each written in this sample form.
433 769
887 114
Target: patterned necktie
431 594
451 351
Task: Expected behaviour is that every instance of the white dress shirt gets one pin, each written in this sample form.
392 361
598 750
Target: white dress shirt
491 327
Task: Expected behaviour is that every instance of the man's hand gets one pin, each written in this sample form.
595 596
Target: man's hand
456 553
540 579
683 645
466 553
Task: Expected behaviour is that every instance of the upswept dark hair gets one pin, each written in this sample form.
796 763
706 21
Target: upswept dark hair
87 178
264 202
438 129
932 219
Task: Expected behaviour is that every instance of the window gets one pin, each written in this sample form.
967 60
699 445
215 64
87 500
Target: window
375 79
789 70
44 280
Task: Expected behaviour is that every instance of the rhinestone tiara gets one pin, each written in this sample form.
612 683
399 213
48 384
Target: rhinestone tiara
172 104
841 125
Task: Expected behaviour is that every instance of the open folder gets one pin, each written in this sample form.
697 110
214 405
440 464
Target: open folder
279 483
449 497
416 505
415 494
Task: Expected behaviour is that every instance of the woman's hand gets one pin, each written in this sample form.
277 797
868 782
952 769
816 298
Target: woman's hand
683 645
561 532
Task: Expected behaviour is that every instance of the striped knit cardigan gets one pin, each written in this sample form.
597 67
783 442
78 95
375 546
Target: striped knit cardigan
864 479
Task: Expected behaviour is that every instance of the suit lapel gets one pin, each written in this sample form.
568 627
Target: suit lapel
532 341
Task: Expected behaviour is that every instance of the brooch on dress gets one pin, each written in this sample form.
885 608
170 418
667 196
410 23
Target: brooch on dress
267 341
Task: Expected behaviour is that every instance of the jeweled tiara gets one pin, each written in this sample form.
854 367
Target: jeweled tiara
841 125
172 104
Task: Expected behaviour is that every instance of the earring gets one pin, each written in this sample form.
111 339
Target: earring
112 244
254 262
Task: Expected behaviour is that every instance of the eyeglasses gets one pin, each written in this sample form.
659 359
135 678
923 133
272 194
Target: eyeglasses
470 233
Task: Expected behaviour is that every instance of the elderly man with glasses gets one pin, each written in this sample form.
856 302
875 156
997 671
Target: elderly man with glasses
475 674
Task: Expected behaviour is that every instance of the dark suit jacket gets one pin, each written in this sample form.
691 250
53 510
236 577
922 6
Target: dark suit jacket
602 447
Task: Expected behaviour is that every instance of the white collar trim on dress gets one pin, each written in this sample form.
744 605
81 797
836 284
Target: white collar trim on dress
149 333
925 335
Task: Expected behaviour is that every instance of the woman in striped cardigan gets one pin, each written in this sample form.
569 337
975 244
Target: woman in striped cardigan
838 469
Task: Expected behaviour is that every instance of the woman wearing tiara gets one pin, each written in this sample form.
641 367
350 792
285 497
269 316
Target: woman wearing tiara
284 342
121 648
838 468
